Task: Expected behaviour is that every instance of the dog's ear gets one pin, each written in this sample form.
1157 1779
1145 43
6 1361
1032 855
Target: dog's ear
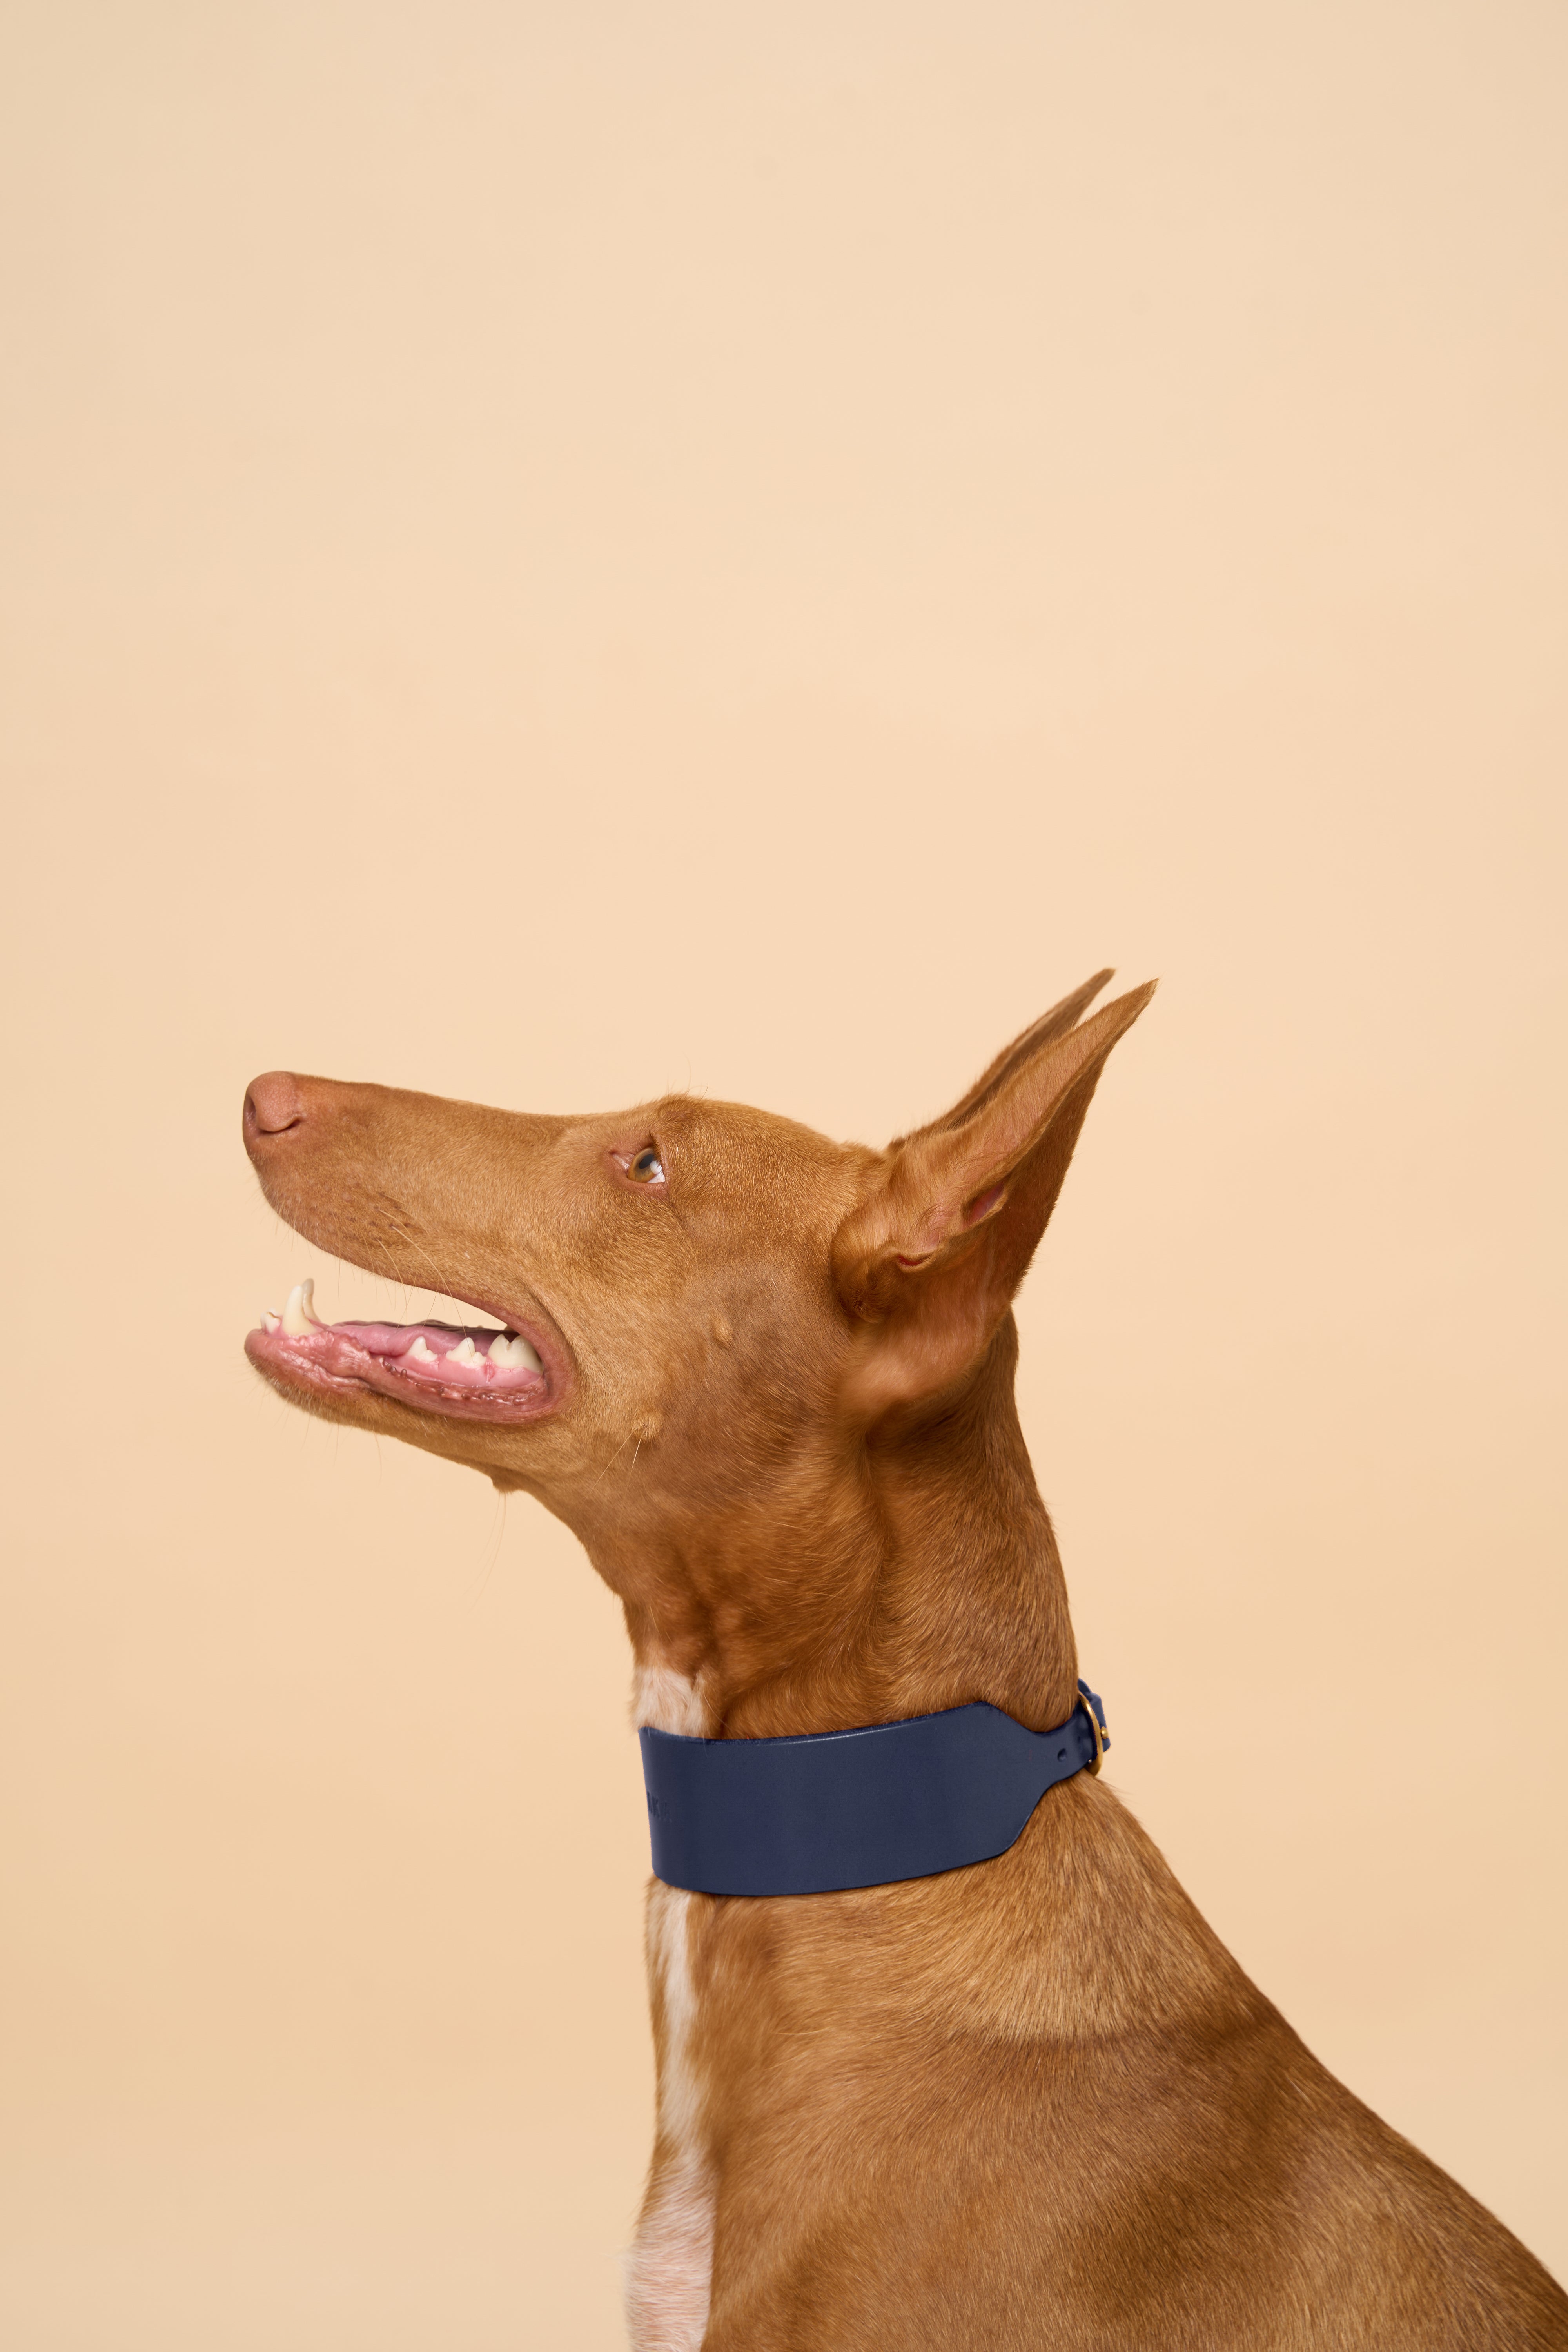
930 1260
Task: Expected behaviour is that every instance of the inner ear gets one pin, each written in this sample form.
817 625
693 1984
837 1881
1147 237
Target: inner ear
974 1213
984 1204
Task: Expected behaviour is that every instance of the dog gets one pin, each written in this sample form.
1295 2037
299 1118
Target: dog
1027 2101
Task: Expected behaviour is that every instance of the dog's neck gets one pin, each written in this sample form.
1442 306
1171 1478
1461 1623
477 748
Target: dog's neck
909 1573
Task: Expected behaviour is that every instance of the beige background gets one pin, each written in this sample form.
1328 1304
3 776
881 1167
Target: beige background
553 553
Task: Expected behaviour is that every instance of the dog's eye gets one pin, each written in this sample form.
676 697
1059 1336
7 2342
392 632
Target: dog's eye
647 1168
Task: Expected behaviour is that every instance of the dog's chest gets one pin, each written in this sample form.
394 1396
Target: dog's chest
669 2269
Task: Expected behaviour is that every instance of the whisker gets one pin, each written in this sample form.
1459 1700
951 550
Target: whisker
423 1251
498 1523
615 1458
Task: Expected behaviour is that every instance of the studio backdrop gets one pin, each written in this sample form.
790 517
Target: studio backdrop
550 554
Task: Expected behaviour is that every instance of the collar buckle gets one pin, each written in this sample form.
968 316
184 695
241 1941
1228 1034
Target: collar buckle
1086 1703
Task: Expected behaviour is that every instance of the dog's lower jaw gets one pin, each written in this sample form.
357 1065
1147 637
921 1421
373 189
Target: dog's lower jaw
669 2269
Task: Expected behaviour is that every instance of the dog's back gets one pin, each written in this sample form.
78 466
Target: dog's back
1037 2104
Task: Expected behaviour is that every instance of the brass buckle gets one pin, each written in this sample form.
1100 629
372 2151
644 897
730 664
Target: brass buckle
1098 1734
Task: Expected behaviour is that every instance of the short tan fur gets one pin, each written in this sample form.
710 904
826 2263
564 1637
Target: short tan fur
1033 2104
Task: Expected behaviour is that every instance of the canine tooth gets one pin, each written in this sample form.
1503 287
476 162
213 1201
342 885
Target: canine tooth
499 1349
464 1353
419 1353
522 1358
270 1322
298 1320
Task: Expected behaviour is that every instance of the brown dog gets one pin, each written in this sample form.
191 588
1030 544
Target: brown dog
768 1380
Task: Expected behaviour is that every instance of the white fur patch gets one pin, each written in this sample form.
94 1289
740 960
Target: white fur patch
666 1700
669 2269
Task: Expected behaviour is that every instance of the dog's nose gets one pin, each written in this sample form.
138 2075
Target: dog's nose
273 1104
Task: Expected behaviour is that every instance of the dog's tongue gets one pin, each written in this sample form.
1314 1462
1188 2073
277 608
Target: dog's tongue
476 1357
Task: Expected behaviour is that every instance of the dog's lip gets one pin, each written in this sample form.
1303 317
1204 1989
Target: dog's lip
340 1360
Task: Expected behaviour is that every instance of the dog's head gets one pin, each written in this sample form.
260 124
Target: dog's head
713 1297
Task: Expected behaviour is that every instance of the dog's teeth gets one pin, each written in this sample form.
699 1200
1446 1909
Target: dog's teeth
298 1320
464 1352
513 1355
420 1354
270 1322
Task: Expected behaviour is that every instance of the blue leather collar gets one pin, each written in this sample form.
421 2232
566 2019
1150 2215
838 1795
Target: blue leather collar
821 1811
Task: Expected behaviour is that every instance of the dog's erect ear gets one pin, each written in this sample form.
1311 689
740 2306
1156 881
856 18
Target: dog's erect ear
930 1260
1043 1031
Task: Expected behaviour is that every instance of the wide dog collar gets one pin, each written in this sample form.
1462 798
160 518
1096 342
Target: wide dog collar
817 1812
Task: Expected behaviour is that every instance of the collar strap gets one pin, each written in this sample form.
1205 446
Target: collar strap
817 1813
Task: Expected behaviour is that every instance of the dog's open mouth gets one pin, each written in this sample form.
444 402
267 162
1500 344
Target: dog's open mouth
473 1372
